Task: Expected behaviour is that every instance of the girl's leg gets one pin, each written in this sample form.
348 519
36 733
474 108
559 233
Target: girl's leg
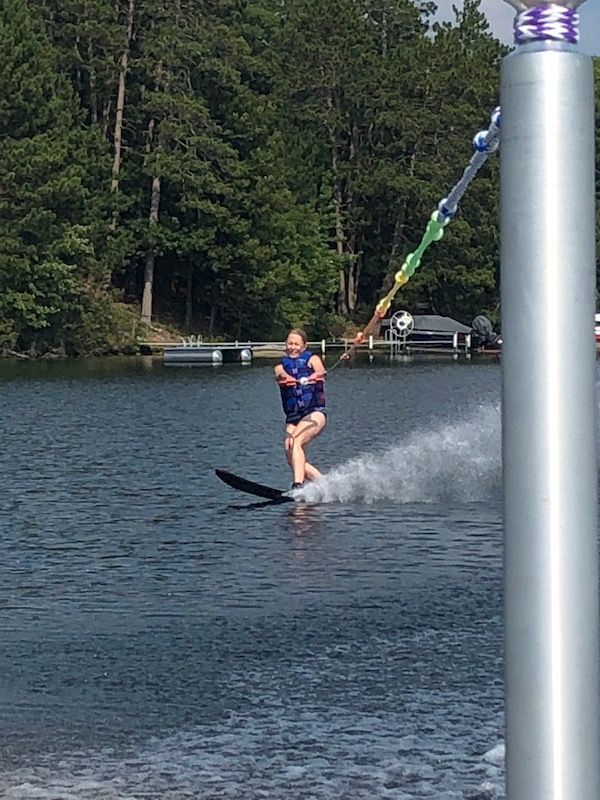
311 473
288 444
298 438
294 454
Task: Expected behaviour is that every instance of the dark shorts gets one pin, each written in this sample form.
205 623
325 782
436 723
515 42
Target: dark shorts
323 411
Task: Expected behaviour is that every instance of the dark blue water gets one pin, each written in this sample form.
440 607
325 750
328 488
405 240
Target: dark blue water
164 637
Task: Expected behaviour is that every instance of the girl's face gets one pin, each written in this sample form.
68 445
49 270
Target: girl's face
294 345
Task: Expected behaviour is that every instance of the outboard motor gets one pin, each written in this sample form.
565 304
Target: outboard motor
482 333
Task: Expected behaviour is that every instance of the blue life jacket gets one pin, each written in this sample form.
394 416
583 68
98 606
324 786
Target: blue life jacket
299 399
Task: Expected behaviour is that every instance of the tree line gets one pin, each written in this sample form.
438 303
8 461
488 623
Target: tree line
237 167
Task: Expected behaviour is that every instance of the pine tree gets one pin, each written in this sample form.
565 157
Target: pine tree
217 226
53 235
459 275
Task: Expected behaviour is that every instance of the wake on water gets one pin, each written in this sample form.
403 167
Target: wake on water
275 749
459 461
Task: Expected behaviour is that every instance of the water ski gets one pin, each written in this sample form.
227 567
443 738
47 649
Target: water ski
250 487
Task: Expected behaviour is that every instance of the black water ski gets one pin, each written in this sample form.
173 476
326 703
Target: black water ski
250 487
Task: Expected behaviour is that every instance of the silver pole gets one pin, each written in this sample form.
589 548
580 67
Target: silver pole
549 424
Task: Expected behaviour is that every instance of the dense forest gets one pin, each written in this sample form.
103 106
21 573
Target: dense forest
235 167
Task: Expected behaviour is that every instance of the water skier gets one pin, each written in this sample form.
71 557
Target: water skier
301 377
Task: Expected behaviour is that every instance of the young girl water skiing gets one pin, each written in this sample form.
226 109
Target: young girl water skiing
301 377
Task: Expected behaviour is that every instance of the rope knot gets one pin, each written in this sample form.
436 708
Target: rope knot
547 22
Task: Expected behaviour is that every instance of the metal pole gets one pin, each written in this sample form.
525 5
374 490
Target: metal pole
549 420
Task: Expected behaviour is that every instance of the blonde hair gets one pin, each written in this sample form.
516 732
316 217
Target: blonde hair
299 332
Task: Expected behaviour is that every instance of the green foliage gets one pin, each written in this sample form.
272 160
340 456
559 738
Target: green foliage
102 328
279 161
51 223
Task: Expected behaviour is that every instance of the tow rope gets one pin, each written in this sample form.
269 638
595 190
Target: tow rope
485 142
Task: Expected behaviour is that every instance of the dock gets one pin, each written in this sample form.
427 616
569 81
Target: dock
194 350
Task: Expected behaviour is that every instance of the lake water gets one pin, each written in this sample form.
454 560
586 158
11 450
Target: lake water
165 637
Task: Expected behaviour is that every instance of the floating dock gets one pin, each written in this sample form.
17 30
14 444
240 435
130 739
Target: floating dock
402 335
217 353
207 354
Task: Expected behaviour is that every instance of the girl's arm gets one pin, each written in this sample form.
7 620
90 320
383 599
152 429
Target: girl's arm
282 377
318 369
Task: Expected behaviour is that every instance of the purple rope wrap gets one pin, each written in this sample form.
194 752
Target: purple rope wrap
547 22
